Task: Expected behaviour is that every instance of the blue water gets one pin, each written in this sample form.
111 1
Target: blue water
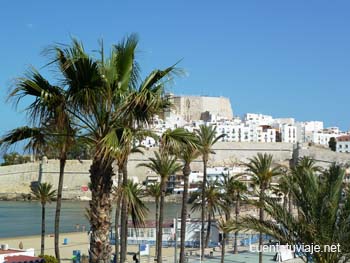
24 218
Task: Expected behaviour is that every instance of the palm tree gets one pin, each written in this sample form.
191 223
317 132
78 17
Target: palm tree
233 194
44 193
324 207
49 113
154 191
214 202
106 95
224 227
184 145
121 139
187 154
207 138
283 189
262 170
133 194
164 165
101 95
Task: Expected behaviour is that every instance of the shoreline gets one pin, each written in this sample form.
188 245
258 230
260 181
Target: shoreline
18 197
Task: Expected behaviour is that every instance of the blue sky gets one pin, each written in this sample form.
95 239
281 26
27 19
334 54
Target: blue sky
284 58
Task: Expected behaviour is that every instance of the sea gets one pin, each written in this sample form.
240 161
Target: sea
24 218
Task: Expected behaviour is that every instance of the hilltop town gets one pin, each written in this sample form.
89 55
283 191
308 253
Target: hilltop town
285 138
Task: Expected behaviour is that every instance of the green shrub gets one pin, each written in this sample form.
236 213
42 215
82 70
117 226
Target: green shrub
49 259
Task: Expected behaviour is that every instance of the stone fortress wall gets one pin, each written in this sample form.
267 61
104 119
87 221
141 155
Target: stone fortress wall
192 107
16 179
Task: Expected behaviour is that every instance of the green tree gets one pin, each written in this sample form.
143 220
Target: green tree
324 206
102 95
133 194
262 170
52 132
214 202
14 158
233 194
106 95
184 145
206 139
44 193
187 154
154 191
332 144
164 165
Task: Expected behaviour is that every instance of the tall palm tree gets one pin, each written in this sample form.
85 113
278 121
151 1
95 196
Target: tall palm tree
187 154
324 206
164 165
101 95
234 191
184 145
105 95
121 140
153 190
133 194
44 193
206 139
214 202
262 170
224 227
48 112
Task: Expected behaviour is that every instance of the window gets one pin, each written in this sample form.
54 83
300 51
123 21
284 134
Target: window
167 231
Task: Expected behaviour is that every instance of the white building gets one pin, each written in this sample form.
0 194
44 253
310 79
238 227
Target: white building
288 133
343 144
260 119
171 230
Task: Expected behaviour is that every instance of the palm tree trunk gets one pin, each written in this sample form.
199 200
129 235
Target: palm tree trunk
261 218
101 173
59 202
290 204
124 219
223 247
208 230
186 172
42 250
157 223
237 208
160 225
204 183
117 217
285 203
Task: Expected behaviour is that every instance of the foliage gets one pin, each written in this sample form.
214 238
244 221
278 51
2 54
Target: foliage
323 213
49 259
214 199
132 193
332 144
14 158
44 193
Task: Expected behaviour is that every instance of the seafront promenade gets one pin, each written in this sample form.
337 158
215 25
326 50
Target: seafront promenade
79 241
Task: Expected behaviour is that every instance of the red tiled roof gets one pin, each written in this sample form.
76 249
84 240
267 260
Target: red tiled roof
13 259
343 138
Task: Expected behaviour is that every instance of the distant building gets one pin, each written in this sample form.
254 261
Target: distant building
146 234
10 255
191 108
343 144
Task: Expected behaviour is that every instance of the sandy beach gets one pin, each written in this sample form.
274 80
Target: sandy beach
76 241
